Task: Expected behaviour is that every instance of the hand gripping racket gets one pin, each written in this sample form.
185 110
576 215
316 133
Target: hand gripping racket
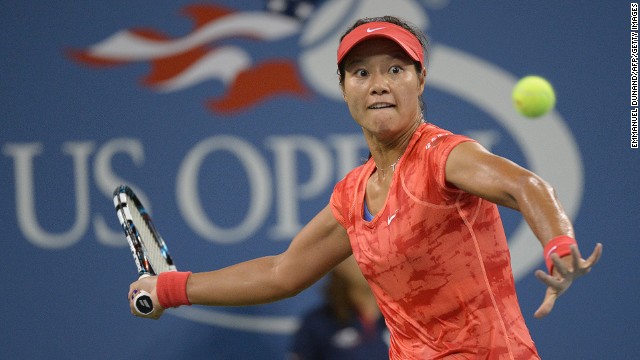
149 251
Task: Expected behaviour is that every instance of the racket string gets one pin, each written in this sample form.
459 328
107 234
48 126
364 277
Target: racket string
152 250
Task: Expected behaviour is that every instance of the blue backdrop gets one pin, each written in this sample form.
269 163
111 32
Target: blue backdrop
226 116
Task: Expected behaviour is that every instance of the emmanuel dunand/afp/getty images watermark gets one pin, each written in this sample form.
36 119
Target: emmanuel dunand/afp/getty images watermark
634 75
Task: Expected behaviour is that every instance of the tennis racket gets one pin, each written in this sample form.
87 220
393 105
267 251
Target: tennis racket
149 250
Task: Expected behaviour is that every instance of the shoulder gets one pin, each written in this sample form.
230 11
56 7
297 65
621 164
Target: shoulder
425 169
353 175
432 145
345 193
432 137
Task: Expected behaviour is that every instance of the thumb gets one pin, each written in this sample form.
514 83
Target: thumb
547 304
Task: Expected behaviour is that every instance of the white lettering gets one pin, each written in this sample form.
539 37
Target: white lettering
351 151
23 155
289 190
188 198
107 180
304 169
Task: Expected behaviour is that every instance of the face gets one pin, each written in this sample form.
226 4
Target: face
381 87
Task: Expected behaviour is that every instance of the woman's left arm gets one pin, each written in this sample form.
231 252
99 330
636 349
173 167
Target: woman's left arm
470 167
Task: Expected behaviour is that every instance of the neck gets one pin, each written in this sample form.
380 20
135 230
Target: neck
387 154
382 171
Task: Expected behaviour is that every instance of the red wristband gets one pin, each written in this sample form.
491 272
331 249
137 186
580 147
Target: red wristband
172 289
559 245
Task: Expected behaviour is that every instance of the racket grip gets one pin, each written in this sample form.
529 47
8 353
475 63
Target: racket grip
142 303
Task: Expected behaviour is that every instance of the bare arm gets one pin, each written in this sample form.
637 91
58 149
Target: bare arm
318 247
475 170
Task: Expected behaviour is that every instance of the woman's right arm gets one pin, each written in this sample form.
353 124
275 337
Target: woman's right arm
315 250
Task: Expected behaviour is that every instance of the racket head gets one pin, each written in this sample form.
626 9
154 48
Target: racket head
149 250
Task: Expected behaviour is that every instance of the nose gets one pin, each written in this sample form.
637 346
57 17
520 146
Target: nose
379 84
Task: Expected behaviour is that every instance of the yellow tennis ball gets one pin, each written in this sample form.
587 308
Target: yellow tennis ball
533 96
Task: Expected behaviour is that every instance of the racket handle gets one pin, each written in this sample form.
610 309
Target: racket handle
142 300
142 303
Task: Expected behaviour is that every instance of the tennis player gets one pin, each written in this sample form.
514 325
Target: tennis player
420 218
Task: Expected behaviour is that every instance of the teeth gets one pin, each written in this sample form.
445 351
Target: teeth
379 106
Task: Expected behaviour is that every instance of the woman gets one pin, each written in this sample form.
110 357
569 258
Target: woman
420 218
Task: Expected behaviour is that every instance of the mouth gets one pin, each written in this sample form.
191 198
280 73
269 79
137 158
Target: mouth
378 106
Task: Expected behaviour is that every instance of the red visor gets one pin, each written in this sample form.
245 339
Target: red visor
400 35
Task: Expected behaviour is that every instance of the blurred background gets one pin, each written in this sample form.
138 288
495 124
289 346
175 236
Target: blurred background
226 117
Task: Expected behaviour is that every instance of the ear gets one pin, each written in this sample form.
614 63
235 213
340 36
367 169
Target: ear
422 79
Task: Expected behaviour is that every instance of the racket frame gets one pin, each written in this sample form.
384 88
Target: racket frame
123 199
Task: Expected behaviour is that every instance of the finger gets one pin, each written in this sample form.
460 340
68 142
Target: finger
133 294
132 288
549 280
133 291
595 256
559 286
132 308
592 260
559 265
577 257
547 304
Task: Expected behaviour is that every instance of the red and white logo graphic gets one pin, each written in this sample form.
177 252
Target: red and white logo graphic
179 63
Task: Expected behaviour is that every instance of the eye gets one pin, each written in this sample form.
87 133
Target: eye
362 72
395 70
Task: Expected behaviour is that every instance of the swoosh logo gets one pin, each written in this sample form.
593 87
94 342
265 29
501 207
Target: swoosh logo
390 218
370 30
